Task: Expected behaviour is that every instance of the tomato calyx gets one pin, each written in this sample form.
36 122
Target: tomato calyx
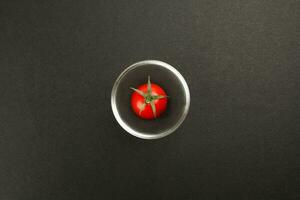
149 98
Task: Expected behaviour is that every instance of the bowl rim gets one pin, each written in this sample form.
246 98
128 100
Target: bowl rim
145 135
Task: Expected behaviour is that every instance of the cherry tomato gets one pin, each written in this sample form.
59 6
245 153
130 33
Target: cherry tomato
149 100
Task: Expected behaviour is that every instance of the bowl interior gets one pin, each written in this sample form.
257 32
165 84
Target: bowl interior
162 76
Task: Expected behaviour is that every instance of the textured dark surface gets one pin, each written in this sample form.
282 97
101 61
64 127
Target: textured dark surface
59 139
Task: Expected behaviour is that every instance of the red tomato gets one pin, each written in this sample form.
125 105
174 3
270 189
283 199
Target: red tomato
149 100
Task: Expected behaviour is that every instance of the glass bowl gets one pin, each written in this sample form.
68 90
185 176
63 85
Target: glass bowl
170 80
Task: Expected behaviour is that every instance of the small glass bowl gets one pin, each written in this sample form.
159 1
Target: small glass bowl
170 80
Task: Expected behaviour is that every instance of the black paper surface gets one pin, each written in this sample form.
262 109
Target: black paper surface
59 139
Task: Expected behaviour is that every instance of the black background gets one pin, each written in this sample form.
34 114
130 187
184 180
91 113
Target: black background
58 136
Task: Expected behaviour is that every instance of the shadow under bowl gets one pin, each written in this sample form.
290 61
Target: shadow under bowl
170 80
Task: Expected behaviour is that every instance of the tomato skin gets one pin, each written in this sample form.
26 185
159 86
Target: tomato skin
138 100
